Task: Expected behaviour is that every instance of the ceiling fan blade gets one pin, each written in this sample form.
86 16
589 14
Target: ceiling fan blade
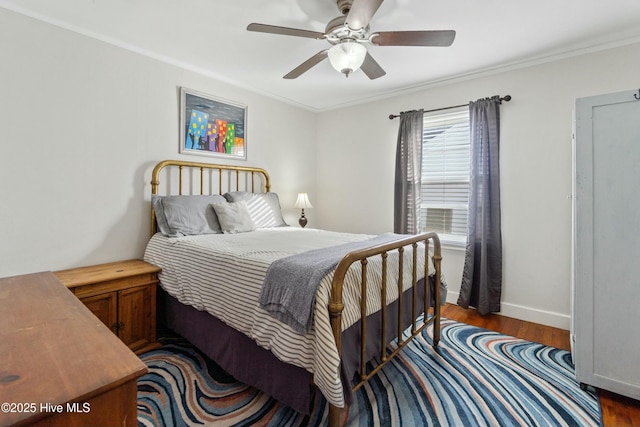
361 13
286 31
371 68
413 38
307 65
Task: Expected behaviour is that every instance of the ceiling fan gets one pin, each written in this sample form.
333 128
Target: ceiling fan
348 35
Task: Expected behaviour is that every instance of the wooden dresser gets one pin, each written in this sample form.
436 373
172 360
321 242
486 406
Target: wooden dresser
60 366
122 295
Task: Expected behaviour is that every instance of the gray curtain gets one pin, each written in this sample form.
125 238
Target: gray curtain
406 210
482 275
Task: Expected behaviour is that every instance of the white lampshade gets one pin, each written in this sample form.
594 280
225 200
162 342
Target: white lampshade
303 201
347 57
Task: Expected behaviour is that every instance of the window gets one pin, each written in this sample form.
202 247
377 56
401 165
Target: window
445 174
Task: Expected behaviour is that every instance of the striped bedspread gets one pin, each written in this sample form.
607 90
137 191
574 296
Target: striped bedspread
223 274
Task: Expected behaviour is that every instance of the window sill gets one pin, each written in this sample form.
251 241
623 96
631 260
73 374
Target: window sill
454 246
453 243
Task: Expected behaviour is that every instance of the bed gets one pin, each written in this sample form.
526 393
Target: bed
225 251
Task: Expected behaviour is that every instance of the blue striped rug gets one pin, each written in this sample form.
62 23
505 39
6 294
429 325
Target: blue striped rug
477 378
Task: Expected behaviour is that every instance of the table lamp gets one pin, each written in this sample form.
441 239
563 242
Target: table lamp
303 203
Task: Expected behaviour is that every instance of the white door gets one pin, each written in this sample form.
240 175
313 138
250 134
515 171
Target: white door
607 242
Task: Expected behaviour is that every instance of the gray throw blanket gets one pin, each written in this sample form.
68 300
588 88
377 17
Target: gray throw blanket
290 285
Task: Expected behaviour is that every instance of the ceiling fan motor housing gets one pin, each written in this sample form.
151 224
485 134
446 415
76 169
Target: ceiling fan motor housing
337 31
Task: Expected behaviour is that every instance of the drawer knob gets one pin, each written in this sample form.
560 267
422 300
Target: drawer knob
117 326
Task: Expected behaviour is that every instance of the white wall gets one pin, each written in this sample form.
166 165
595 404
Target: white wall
82 123
356 155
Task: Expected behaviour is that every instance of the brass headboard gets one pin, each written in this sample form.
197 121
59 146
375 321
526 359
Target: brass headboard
205 178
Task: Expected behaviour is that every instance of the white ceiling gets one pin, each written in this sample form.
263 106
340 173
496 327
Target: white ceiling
210 36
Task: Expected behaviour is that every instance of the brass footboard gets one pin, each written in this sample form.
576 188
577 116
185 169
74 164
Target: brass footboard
336 415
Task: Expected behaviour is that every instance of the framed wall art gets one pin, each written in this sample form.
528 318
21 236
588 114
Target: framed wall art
212 126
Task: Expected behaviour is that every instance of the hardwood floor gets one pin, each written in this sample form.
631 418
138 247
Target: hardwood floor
617 411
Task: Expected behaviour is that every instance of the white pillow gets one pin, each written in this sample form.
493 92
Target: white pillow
234 217
264 208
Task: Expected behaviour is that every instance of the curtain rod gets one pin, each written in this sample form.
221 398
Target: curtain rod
506 98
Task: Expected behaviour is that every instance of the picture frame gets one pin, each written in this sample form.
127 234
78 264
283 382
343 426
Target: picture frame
212 126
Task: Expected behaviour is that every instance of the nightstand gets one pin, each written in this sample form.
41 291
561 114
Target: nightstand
122 295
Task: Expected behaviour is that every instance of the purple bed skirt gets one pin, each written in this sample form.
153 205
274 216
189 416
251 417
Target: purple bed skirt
242 358
238 354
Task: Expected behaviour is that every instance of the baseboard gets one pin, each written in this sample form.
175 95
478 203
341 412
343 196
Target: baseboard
535 315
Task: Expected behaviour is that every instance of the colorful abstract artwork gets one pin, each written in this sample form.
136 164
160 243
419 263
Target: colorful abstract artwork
212 126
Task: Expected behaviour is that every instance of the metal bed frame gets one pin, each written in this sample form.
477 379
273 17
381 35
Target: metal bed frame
206 178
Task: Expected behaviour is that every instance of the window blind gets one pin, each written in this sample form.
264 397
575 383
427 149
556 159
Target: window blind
445 173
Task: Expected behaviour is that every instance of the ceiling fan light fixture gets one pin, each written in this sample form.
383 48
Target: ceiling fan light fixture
347 57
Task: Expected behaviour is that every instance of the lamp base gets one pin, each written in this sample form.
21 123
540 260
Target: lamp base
303 220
